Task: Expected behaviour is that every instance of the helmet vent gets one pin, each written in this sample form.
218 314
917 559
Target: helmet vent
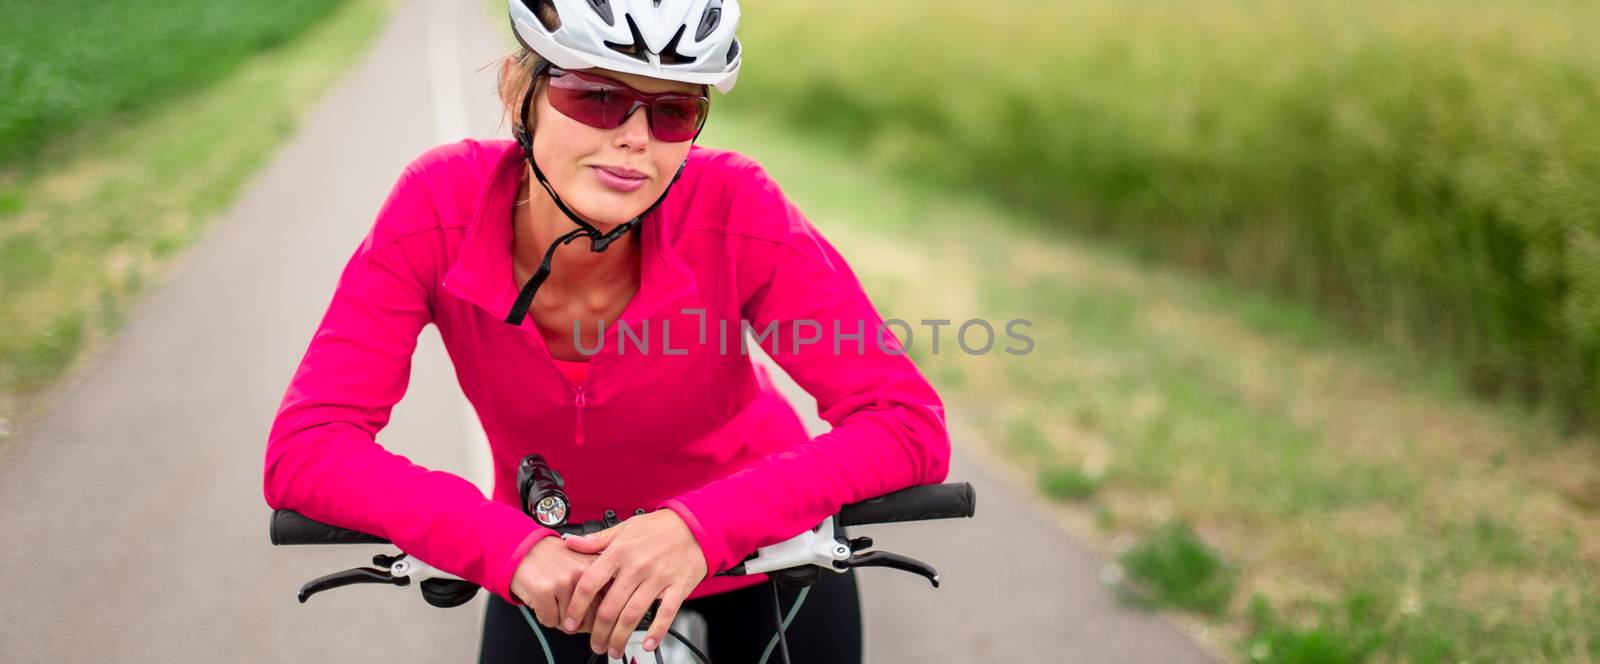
670 54
733 51
545 11
709 20
603 8
634 50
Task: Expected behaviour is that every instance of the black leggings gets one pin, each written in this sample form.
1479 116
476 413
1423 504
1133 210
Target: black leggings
827 629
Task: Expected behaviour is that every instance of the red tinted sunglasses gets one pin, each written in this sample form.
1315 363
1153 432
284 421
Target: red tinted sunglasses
606 103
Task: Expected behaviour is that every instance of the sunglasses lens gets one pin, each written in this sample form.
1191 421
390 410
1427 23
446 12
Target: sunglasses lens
593 104
676 120
605 105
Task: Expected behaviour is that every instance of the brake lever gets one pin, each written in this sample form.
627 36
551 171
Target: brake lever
440 588
893 561
350 577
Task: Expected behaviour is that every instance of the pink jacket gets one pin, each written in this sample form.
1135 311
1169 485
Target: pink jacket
663 421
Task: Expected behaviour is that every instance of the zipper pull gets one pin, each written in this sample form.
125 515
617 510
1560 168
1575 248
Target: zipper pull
579 402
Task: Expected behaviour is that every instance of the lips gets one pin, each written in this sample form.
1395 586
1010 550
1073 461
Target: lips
625 173
620 179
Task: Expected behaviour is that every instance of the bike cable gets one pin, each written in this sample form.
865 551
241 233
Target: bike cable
777 639
783 624
548 656
698 653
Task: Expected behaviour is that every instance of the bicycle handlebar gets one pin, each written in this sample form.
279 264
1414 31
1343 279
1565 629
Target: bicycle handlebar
919 503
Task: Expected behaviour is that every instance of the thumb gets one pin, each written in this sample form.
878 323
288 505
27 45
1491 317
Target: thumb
591 544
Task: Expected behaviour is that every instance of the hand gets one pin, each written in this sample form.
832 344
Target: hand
545 579
648 556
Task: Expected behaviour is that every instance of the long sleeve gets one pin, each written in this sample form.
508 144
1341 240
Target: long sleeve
322 458
889 428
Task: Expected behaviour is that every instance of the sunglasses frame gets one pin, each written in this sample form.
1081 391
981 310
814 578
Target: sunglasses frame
639 99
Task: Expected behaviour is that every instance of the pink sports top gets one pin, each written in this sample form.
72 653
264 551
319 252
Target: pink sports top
670 414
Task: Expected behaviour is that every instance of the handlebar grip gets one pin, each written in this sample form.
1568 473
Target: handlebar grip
290 527
935 501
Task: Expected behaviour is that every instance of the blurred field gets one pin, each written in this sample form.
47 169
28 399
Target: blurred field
65 64
1292 493
1425 170
100 212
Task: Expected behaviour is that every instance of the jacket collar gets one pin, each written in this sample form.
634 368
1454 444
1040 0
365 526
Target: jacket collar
482 274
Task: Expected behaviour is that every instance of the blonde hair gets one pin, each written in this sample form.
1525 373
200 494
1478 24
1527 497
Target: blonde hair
513 83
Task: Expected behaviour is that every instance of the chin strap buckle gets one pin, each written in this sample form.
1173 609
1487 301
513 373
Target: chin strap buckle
600 242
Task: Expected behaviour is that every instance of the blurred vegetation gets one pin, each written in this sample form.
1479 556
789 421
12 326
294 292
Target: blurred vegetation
93 219
1379 510
1174 567
1350 632
1426 170
66 64
1066 483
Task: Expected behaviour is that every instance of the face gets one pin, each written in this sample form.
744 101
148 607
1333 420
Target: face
574 156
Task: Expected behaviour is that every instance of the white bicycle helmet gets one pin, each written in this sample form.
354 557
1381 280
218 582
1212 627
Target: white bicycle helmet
690 41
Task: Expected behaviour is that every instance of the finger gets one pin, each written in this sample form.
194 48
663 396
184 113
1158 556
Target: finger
589 585
564 592
562 597
587 625
591 544
607 619
671 601
632 614
544 608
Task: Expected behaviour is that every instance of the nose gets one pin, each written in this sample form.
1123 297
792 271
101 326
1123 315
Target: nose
635 130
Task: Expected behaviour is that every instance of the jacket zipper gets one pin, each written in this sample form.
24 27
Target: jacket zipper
579 403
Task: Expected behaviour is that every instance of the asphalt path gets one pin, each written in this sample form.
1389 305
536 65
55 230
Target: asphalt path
132 524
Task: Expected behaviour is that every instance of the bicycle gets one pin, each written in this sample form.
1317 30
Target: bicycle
793 563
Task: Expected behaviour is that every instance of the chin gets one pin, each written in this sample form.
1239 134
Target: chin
607 210
608 215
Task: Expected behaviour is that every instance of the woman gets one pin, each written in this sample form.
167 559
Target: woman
624 366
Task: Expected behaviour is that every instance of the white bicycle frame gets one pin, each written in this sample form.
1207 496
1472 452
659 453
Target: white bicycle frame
691 625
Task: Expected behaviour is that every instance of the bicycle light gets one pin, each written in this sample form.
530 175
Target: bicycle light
541 490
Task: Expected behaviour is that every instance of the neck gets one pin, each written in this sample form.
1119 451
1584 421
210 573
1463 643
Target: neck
575 268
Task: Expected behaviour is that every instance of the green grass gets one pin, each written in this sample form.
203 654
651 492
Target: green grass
1173 567
100 212
1317 468
66 65
1273 465
1344 634
1025 439
1422 170
1066 483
